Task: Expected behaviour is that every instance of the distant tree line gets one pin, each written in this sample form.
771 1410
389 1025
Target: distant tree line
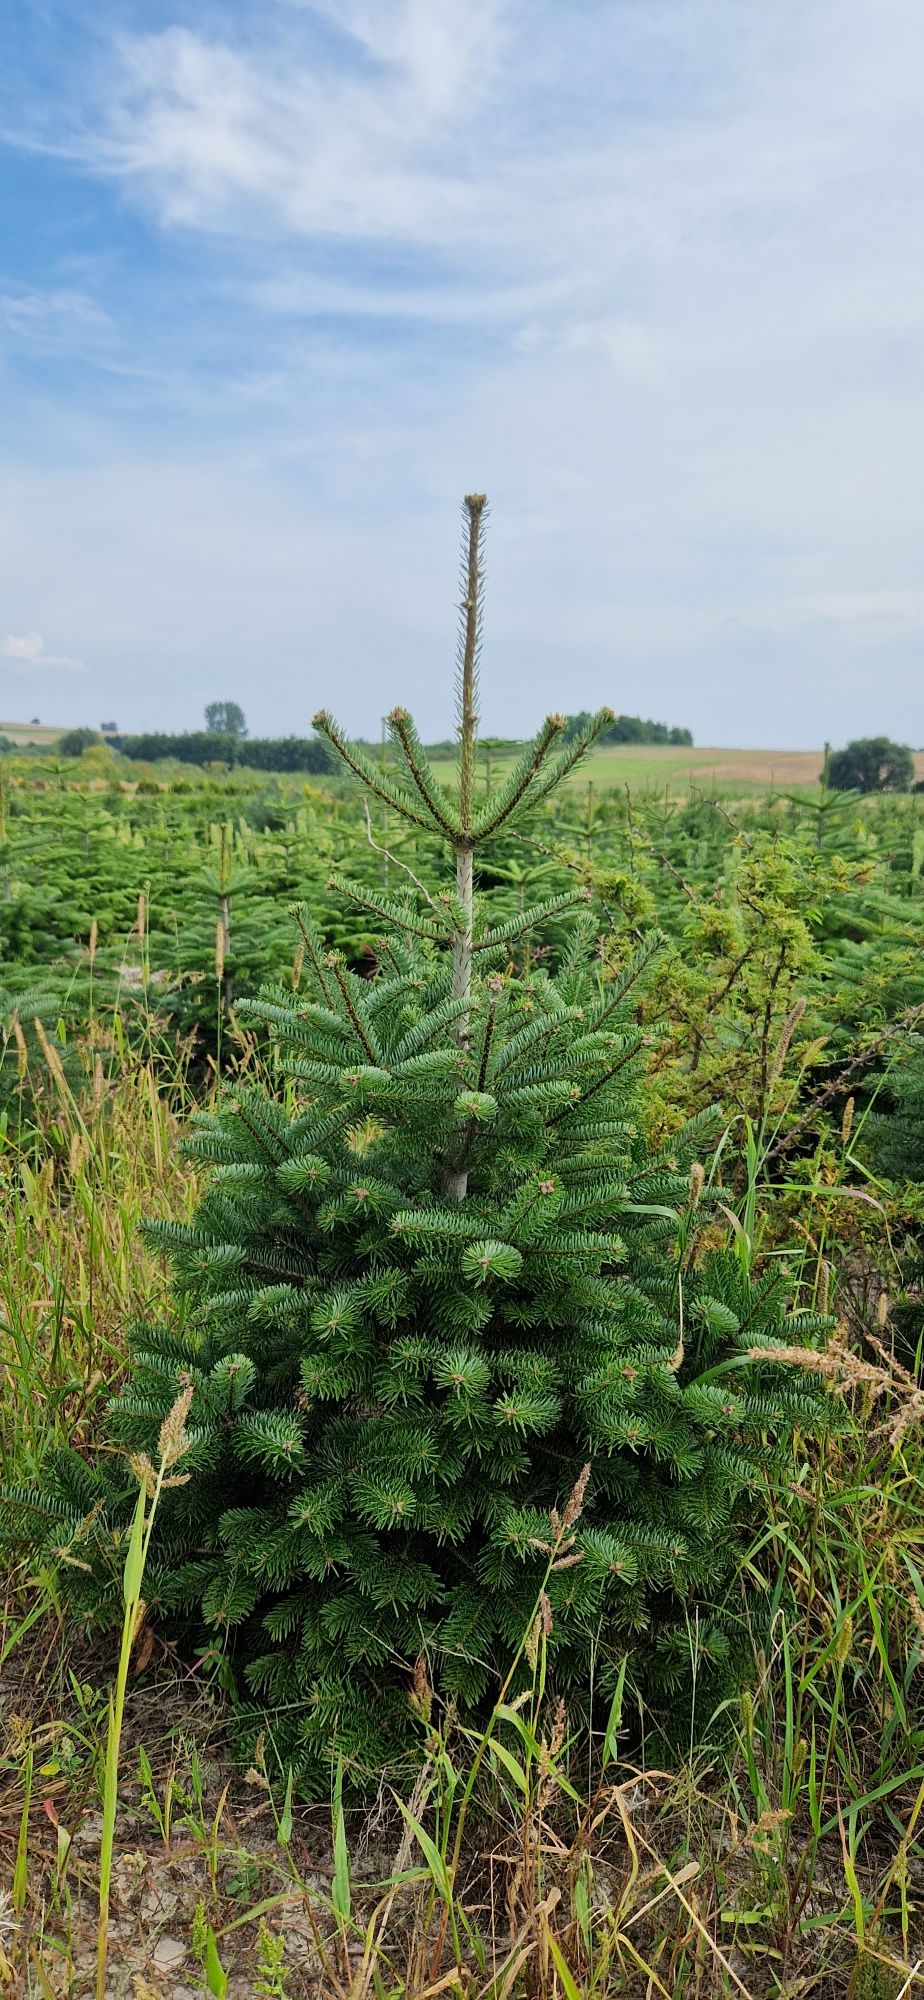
204 746
868 764
631 729
225 740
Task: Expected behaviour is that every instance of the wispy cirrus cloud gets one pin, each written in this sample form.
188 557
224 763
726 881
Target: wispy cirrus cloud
349 136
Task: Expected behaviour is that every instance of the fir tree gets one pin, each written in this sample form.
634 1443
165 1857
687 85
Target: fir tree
895 1128
428 1283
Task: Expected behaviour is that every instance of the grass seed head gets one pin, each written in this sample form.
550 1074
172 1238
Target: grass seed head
173 1440
786 1034
420 1696
575 1506
917 1613
144 1472
22 1052
844 1640
836 1364
824 1284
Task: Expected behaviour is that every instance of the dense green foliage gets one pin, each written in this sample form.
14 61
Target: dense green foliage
439 1282
285 753
225 718
871 764
895 1129
762 903
629 729
391 1389
75 741
440 1238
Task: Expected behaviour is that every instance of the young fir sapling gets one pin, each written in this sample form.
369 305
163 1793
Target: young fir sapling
424 1288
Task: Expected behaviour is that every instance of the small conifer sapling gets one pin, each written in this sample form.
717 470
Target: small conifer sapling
426 1285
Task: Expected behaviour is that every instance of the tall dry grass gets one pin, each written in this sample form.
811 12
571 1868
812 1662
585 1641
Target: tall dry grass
96 1155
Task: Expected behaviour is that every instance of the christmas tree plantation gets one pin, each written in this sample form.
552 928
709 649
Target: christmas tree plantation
426 1290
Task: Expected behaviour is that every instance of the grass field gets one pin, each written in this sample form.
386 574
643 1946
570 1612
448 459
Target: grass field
732 773
740 773
39 733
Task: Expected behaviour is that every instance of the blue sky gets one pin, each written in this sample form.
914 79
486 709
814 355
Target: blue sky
279 284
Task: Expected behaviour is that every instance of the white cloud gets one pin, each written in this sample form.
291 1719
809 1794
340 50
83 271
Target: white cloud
28 650
219 136
679 129
650 273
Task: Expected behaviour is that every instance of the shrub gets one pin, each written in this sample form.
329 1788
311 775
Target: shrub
75 741
432 1287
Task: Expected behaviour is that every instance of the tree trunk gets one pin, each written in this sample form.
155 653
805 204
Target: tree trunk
455 1179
